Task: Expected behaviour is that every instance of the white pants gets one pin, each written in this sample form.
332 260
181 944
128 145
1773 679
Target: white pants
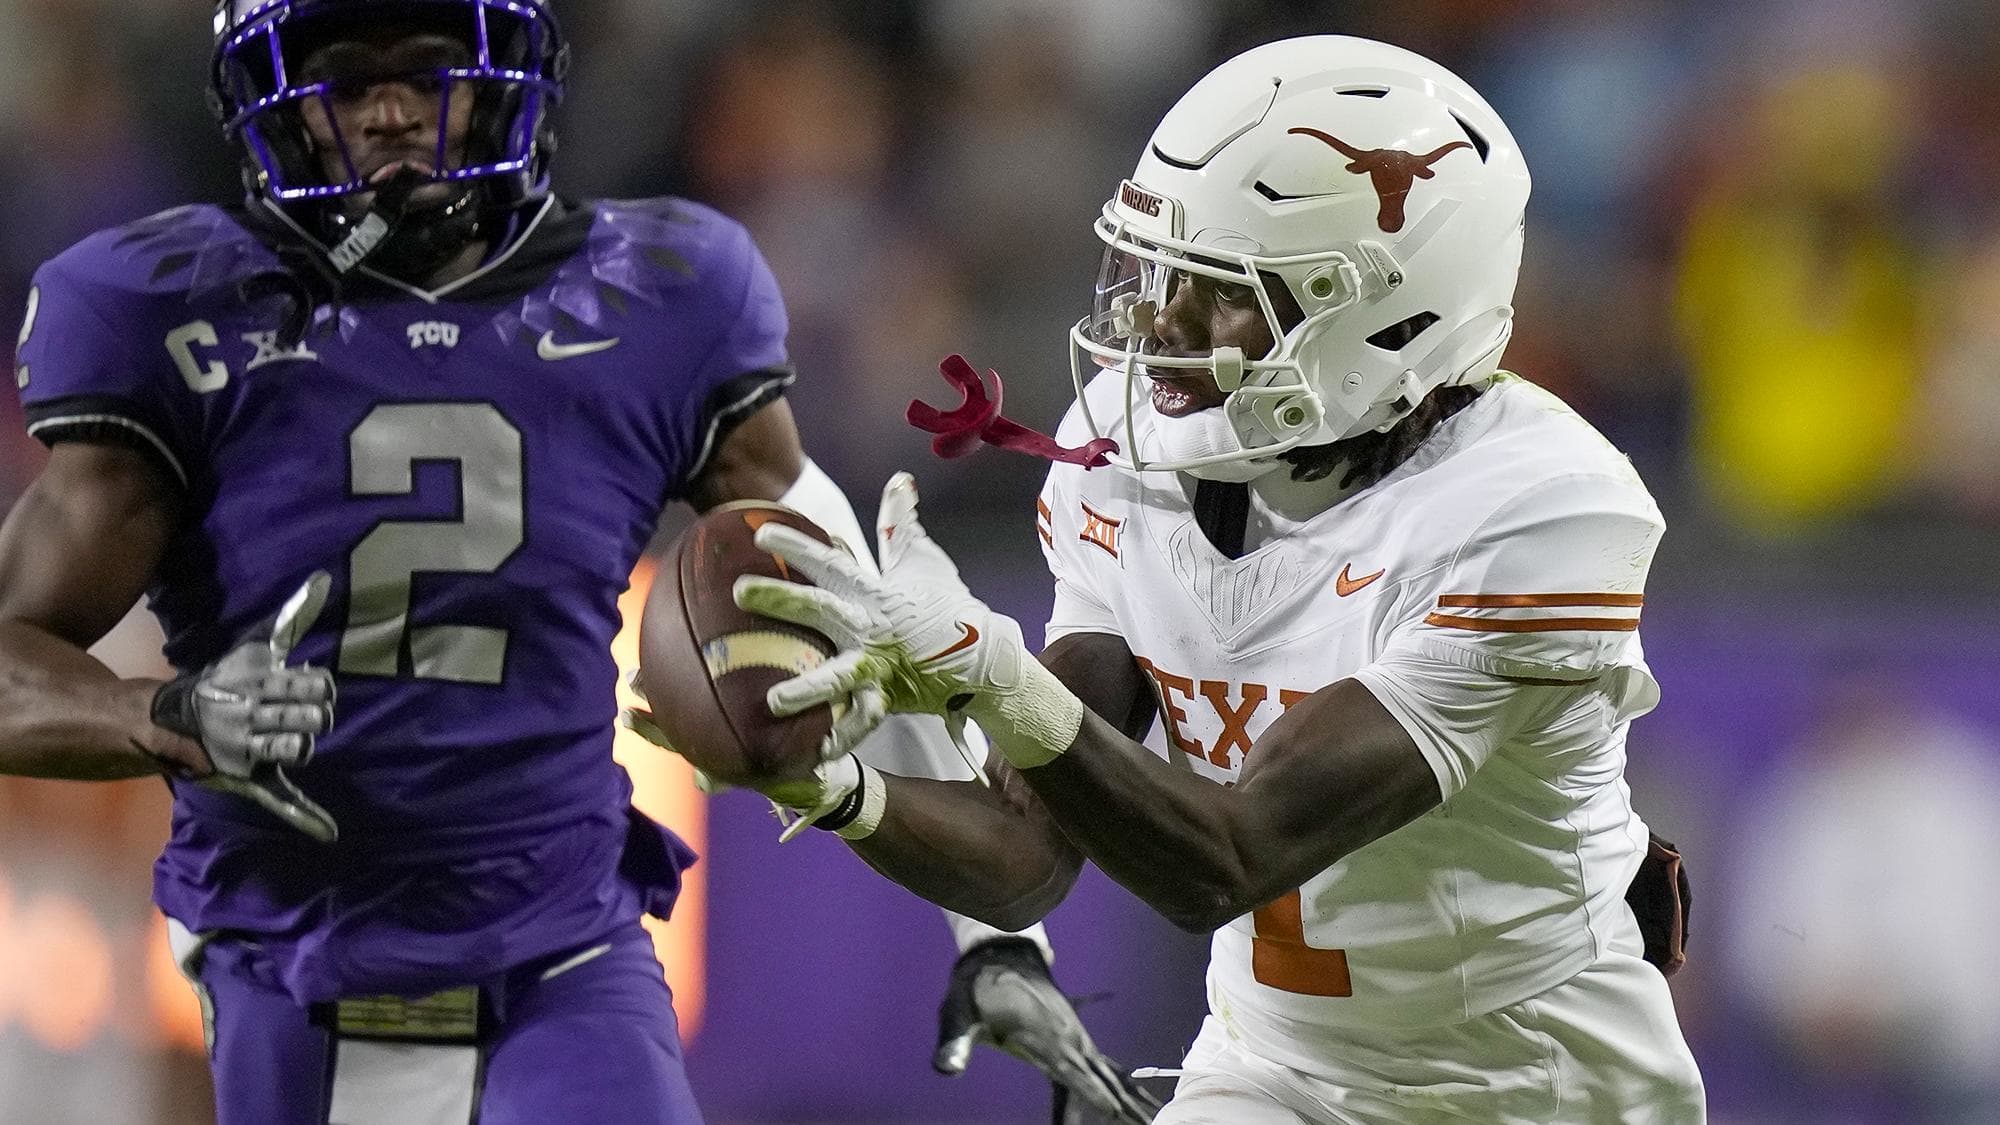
1602 1047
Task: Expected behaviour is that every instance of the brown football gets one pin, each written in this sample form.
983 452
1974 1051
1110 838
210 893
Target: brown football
705 664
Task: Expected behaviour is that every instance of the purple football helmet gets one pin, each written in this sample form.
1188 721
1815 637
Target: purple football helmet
514 69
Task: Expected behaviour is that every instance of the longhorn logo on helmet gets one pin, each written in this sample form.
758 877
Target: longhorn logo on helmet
1391 171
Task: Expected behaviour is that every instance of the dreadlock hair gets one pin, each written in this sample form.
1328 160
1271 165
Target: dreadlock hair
1371 456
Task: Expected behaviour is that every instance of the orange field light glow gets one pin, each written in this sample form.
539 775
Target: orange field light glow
663 788
61 949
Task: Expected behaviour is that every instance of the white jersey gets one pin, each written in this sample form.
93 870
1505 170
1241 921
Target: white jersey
1514 543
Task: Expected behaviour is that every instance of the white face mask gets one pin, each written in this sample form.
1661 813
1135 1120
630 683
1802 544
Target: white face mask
1204 433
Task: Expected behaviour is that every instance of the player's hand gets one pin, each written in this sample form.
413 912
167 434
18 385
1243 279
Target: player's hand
915 634
796 803
1001 993
253 715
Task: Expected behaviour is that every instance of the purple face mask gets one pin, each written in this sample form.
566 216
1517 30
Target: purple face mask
511 64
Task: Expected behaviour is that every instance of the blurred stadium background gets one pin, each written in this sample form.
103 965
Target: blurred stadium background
1763 256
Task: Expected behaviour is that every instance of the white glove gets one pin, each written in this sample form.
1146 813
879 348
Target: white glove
915 634
254 715
797 804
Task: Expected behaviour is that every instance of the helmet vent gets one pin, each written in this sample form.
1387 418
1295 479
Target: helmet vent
1189 165
1397 336
1473 135
1365 92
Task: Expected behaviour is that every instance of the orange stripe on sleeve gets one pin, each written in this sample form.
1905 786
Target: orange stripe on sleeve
1533 625
1516 601
1042 509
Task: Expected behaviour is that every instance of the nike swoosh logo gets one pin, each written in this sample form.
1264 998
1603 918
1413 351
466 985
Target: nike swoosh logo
548 349
969 638
1343 585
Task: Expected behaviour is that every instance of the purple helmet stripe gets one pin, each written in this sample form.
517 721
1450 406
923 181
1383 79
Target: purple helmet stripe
444 114
484 47
277 62
255 138
339 134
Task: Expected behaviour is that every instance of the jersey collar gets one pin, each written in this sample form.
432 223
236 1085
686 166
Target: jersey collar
428 296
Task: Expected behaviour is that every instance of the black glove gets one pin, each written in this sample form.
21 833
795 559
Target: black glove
254 716
1001 993
1663 902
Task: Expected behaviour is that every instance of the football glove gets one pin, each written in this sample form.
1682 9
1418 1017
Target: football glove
843 792
254 716
1001 993
915 634
1663 901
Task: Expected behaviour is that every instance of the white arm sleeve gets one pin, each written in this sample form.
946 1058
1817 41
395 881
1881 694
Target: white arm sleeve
906 745
816 497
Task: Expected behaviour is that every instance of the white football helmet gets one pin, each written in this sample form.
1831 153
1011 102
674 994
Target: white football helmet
1375 185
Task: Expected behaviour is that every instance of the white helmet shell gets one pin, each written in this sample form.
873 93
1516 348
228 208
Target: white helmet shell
1376 186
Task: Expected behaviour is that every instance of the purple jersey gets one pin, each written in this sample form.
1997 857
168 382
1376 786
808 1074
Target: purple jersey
478 468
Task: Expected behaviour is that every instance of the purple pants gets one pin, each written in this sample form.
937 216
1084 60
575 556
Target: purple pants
574 1038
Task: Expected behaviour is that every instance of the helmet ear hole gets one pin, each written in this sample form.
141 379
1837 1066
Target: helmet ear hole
1398 336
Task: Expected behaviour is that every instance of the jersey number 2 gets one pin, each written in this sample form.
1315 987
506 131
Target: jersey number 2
1280 957
383 452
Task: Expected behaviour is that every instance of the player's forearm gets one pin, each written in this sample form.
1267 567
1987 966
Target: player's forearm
1184 845
1335 773
65 715
972 849
1170 837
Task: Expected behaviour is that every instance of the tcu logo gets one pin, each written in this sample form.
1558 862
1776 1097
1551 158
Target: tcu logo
1234 705
431 333
1139 199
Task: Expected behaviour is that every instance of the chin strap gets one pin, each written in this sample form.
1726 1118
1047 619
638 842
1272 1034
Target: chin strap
310 278
392 200
977 419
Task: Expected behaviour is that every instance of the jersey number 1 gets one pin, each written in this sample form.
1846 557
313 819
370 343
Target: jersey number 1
383 452
1280 957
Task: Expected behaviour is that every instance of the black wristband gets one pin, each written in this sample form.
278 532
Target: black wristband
173 707
843 814
1014 951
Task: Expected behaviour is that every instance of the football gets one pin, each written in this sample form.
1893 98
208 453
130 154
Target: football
705 665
